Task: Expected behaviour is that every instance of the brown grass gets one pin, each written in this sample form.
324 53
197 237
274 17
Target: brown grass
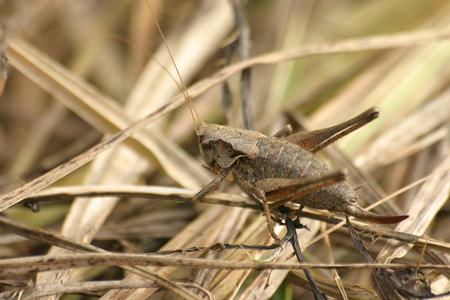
81 76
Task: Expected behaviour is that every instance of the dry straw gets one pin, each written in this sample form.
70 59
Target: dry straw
318 62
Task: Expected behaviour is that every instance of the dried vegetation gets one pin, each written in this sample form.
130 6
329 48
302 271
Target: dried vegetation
80 71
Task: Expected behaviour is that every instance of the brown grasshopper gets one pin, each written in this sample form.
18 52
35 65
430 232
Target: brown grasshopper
283 168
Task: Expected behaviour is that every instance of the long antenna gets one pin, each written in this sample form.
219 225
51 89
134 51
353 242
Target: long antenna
183 87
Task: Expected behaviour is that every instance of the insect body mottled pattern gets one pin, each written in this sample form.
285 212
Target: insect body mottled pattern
254 157
279 158
281 169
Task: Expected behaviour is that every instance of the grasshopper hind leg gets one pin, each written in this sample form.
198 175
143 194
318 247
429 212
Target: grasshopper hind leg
279 191
259 196
283 132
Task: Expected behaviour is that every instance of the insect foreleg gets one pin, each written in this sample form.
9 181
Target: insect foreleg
212 185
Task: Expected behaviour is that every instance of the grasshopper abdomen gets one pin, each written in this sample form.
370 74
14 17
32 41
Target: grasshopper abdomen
283 160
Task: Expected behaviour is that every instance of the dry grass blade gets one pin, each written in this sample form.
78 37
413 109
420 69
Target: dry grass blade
176 194
336 276
74 288
353 291
98 109
268 281
406 237
59 241
134 191
29 265
361 44
321 61
101 111
395 144
427 203
75 163
8 9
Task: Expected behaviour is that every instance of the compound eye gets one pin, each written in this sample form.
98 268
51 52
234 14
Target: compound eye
207 153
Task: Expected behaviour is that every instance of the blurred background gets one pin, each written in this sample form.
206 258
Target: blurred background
80 70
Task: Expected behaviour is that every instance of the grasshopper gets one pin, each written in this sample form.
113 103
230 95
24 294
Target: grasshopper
283 168
280 169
